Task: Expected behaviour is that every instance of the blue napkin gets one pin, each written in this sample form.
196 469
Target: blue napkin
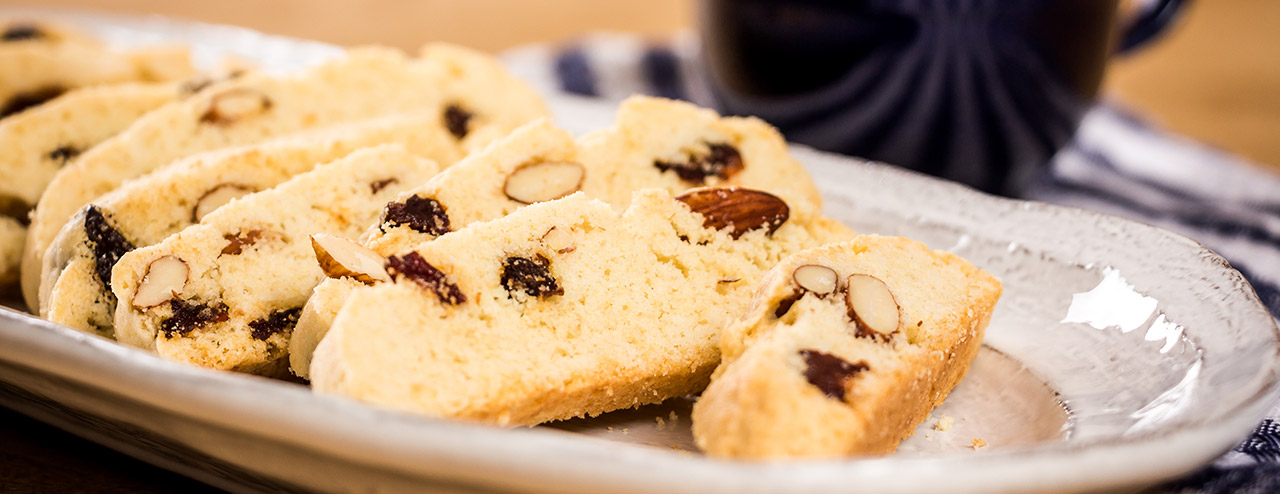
1117 164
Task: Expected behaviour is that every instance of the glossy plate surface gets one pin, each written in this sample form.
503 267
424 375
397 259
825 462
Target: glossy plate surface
1120 355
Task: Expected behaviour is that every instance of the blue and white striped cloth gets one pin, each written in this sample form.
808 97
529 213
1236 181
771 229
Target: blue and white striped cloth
1116 163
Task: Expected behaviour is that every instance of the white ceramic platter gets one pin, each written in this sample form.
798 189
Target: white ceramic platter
1120 355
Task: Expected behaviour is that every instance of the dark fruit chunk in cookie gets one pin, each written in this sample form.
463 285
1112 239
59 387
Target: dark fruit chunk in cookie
422 214
22 32
377 186
277 322
107 243
28 99
721 160
531 276
414 267
189 316
63 154
829 372
457 120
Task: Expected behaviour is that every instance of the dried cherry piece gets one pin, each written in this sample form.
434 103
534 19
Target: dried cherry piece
422 214
189 316
417 269
531 276
721 160
108 244
276 322
829 372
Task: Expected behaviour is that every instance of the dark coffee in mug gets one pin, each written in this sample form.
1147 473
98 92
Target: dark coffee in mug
979 91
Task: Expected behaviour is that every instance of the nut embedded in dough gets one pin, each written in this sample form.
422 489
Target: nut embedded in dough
544 181
340 257
739 209
872 306
166 277
235 104
820 280
558 241
217 197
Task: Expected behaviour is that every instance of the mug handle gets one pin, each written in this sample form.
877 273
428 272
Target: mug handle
1149 24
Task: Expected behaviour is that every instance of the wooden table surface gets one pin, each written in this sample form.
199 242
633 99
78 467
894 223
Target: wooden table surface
1216 77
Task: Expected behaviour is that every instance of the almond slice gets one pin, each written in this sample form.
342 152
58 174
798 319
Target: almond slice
820 280
234 104
559 241
166 277
340 257
872 306
217 197
544 181
738 209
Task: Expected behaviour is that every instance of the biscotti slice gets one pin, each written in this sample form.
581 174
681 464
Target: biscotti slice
561 309
609 164
224 293
35 144
845 349
32 73
674 145
540 162
469 192
75 291
367 83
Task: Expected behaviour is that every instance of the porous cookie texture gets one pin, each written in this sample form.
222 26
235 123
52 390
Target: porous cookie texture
32 73
145 211
844 350
469 88
38 142
540 162
224 293
563 308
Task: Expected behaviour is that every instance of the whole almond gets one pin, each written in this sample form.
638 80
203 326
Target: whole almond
738 209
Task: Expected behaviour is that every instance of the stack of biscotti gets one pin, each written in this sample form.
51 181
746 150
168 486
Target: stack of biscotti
654 143
224 293
75 286
62 92
259 222
467 89
228 215
563 308
845 349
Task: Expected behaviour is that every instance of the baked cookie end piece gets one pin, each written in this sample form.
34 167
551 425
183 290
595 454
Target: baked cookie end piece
845 350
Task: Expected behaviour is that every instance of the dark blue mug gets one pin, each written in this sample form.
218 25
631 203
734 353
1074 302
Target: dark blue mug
983 92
